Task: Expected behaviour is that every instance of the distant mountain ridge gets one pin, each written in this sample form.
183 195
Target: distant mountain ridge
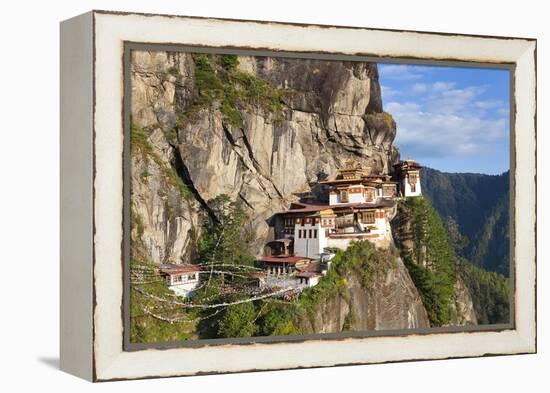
479 204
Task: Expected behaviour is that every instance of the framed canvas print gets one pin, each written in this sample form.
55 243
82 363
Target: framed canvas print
245 195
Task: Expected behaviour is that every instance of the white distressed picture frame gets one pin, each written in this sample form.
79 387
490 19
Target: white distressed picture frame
92 140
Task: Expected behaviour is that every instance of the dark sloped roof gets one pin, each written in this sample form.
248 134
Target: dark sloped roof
306 208
172 268
276 259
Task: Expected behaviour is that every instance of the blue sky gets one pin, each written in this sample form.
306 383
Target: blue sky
454 119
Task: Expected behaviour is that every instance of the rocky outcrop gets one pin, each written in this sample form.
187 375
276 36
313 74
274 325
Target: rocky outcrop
333 112
463 307
165 223
390 302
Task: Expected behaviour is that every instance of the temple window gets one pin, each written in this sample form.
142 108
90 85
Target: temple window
389 191
343 195
368 217
370 195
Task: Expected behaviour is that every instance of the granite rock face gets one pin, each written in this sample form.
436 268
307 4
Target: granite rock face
166 224
333 114
464 313
392 302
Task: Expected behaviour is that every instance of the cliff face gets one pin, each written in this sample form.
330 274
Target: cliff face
330 112
391 302
164 213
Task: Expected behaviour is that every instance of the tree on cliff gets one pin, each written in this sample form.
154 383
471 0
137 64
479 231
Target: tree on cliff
432 261
227 239
238 321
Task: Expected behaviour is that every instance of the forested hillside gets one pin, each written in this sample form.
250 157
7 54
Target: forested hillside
475 208
449 284
490 292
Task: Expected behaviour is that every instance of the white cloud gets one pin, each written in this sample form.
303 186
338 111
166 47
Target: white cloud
389 92
489 104
436 134
442 119
439 119
400 71
397 108
420 88
442 86
452 101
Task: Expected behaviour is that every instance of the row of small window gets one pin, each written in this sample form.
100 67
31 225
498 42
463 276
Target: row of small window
289 222
344 194
301 221
368 217
303 233
184 278
369 195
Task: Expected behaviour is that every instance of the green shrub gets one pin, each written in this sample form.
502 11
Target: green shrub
238 321
138 224
229 62
139 143
173 71
217 79
279 322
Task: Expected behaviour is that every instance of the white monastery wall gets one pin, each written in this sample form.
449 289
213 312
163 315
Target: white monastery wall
407 188
309 246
